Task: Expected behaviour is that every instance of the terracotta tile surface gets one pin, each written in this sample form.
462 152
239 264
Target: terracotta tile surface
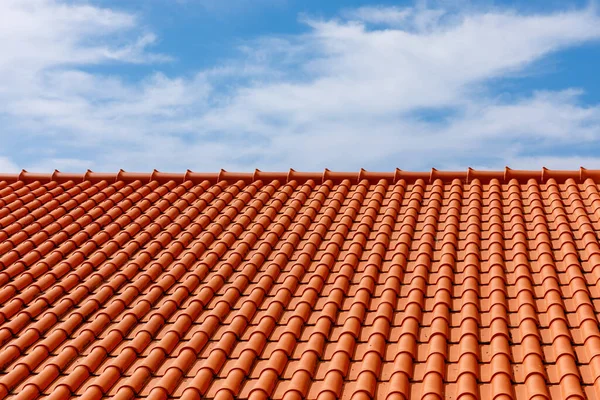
458 285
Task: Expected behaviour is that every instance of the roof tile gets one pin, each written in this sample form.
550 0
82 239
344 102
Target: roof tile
300 285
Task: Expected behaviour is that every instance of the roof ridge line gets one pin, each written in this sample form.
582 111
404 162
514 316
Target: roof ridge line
467 176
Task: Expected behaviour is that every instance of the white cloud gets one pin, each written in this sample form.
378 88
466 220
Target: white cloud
418 18
36 34
379 15
61 164
7 166
345 95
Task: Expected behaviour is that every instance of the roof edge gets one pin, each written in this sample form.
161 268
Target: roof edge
467 176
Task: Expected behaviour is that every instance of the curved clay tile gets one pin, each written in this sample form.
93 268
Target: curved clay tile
530 336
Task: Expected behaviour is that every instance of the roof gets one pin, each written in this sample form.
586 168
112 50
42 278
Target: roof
294 285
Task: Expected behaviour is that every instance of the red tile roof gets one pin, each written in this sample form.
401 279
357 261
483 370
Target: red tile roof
294 285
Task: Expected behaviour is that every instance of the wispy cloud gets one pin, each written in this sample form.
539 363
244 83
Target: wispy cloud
375 87
417 18
379 15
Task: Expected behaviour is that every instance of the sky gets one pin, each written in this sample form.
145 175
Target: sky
305 84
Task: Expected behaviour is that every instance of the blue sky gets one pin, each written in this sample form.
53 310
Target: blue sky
274 84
